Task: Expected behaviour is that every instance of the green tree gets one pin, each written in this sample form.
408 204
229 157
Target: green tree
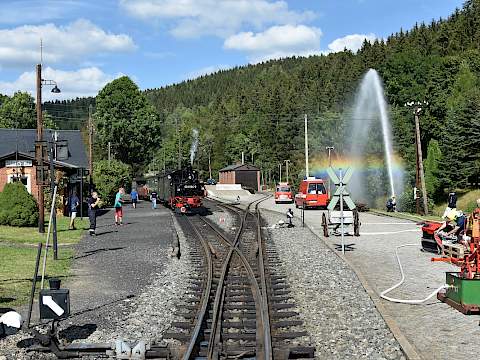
18 111
109 176
125 118
433 170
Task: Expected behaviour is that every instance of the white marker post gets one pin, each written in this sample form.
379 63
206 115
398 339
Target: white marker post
341 212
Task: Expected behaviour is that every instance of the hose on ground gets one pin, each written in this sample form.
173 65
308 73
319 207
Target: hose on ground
402 301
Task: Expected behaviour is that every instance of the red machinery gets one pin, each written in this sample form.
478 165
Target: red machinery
464 286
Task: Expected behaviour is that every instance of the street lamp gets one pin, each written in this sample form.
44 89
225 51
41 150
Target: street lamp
39 147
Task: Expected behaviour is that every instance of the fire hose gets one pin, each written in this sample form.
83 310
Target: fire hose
402 301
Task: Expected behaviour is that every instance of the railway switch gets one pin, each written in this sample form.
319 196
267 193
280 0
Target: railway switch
54 302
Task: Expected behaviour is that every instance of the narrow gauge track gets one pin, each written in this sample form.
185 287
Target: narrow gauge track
231 296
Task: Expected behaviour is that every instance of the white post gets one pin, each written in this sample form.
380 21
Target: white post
341 212
243 158
306 146
52 209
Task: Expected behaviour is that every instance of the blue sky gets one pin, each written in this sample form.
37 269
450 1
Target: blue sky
159 42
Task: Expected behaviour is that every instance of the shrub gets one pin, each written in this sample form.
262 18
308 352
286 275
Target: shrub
109 176
406 202
17 206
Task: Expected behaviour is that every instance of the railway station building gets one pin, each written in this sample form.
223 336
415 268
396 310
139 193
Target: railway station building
18 163
246 175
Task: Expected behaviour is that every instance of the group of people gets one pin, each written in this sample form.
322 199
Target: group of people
93 204
455 221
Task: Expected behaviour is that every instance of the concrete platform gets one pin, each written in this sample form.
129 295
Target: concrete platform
432 330
215 193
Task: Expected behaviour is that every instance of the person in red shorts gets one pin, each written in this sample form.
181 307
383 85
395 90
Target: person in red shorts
119 206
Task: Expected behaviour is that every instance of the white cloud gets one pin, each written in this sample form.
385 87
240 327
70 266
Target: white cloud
82 82
74 42
351 42
277 42
194 18
206 71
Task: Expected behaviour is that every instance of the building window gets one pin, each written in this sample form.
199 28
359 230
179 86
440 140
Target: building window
24 179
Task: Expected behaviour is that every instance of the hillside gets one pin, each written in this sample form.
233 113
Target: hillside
260 108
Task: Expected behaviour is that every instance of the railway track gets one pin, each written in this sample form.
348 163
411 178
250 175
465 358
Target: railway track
239 305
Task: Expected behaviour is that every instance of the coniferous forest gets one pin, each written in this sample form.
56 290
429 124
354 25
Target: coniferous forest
259 109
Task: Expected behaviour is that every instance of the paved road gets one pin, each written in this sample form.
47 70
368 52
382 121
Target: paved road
435 330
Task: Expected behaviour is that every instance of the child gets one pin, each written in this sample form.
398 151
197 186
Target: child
73 203
134 196
118 206
153 199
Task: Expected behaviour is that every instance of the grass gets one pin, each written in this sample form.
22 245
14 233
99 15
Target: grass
466 202
16 272
18 254
30 235
407 216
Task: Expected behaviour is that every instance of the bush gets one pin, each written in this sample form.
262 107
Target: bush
109 176
17 206
406 202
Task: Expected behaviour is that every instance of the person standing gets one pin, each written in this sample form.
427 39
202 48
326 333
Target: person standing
93 202
73 204
118 205
134 196
153 199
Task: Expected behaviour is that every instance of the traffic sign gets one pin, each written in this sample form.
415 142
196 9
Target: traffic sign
341 191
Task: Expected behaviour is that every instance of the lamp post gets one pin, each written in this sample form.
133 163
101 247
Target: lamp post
420 176
39 147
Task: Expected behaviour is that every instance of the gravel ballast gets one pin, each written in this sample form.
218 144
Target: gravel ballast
154 310
337 312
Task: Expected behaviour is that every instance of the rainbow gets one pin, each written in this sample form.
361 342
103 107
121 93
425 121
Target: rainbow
368 164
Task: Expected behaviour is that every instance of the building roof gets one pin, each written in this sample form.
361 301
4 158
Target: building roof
24 141
239 167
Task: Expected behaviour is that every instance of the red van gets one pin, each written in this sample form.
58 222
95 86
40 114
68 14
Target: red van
283 193
313 193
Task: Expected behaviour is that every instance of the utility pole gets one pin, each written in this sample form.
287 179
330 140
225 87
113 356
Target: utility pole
90 145
53 215
329 149
179 145
280 166
420 176
209 163
306 147
39 151
287 162
109 152
164 160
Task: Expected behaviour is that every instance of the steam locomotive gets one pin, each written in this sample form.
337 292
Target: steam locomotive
181 190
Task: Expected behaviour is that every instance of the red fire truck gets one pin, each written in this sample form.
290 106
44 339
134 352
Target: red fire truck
312 193
283 193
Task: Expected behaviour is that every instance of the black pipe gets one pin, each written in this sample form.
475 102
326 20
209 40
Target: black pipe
34 285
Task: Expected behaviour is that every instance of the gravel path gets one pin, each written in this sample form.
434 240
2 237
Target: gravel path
338 313
153 311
